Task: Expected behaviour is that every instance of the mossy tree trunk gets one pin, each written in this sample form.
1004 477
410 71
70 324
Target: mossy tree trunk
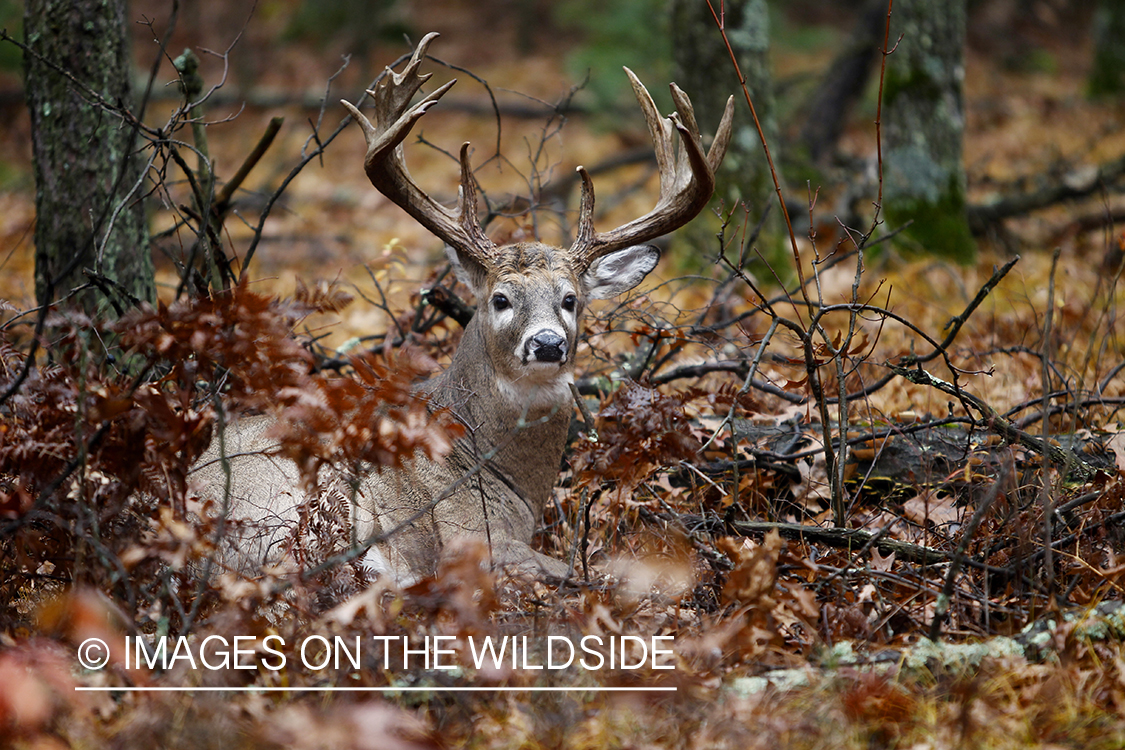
88 202
924 123
1107 77
704 70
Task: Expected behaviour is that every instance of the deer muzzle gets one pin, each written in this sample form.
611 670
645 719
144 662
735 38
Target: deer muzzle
545 346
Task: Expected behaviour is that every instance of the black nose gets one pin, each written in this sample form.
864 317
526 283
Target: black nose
547 346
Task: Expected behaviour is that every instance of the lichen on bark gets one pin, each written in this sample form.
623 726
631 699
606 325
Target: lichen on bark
704 70
924 123
86 167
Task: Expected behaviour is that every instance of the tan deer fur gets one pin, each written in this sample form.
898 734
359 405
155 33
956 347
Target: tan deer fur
509 380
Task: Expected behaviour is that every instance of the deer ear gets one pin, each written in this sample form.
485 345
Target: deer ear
469 271
619 271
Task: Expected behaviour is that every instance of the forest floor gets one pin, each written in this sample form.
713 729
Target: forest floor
946 619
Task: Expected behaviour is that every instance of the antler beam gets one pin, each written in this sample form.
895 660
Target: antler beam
386 166
687 175
687 179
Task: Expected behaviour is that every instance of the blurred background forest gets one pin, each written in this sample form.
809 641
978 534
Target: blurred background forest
1029 116
539 92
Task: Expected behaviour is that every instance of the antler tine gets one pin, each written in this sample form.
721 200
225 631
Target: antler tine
687 179
386 166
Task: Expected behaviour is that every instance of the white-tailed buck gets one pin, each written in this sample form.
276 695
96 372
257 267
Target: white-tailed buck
508 382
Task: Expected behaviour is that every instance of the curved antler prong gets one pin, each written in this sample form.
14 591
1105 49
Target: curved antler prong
723 135
586 231
386 166
687 178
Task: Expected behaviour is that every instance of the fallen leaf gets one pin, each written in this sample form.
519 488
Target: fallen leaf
925 507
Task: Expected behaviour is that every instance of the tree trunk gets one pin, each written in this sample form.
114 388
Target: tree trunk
1107 78
88 202
923 116
704 70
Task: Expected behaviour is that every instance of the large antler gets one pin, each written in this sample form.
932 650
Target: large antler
686 181
386 167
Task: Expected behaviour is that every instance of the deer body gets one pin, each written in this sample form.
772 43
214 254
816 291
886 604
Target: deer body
509 381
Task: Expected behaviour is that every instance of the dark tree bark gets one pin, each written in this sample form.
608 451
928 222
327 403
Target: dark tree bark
843 84
704 70
88 198
1107 77
924 123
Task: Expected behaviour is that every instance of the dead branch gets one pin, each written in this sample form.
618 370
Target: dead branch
1076 185
847 539
449 303
996 423
223 199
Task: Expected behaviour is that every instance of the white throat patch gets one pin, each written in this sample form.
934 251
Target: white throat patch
535 394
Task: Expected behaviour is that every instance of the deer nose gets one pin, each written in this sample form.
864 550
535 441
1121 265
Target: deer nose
546 346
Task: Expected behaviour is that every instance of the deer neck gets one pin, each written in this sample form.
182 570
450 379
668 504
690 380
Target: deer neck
521 425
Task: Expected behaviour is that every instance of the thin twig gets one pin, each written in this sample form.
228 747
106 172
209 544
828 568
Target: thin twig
941 608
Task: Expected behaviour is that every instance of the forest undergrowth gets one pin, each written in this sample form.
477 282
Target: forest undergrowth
877 504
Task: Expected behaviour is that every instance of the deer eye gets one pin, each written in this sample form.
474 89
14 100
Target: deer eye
568 303
500 302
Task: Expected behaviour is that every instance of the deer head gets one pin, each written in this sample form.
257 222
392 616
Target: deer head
530 294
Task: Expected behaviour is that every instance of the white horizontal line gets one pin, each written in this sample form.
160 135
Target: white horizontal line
350 689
